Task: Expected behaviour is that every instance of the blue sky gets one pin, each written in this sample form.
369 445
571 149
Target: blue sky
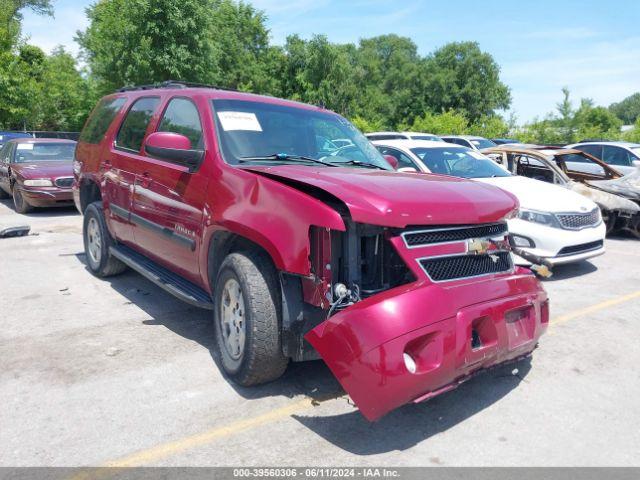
593 47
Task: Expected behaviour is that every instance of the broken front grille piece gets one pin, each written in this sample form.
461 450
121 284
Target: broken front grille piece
578 221
456 267
418 238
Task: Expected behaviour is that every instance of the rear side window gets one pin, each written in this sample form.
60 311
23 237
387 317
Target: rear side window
135 124
617 156
181 116
100 119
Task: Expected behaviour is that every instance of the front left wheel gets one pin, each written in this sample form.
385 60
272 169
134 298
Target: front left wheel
20 203
246 317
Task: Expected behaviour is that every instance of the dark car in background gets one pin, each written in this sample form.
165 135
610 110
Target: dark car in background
37 172
504 141
6 136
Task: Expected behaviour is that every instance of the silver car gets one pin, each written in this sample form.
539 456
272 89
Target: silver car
619 155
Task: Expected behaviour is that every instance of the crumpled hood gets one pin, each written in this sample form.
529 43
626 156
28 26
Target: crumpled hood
394 199
542 196
50 170
627 186
605 200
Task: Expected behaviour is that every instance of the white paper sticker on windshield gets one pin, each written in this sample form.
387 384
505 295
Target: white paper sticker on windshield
239 121
25 146
477 155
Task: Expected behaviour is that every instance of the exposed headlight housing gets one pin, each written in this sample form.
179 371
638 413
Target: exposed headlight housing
40 182
543 218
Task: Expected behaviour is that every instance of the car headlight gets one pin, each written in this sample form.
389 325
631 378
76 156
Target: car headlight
41 182
547 219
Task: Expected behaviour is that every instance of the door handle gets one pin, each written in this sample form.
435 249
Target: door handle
106 165
145 180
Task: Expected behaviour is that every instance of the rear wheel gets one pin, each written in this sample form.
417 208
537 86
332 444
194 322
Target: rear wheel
246 317
20 203
97 241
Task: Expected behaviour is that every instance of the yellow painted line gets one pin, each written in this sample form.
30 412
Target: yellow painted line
172 448
594 308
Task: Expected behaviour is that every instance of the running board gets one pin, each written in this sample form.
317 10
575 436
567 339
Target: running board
165 279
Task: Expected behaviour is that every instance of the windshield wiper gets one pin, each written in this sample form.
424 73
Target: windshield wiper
283 157
358 163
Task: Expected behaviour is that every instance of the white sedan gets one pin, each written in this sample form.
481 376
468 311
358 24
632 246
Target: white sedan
554 223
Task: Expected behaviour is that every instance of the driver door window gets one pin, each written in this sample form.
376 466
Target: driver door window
404 161
533 168
181 116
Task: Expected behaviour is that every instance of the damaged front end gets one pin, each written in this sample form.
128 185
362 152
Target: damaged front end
618 200
402 315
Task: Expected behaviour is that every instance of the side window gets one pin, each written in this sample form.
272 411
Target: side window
135 124
616 156
4 154
100 119
594 150
403 160
181 116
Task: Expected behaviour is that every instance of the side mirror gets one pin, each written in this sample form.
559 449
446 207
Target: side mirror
636 163
174 148
391 160
408 170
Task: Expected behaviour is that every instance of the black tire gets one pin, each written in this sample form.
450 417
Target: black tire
4 195
101 263
261 359
19 202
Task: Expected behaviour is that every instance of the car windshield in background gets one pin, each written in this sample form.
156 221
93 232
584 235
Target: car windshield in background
429 138
459 162
481 143
284 134
44 152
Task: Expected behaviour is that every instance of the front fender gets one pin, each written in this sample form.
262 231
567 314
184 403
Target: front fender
275 216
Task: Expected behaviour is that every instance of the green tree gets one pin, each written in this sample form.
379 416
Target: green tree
138 42
491 126
628 110
11 18
449 122
219 42
566 120
66 97
390 76
462 77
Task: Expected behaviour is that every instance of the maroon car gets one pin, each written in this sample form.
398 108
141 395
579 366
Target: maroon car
37 172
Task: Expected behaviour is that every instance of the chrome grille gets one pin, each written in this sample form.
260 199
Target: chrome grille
417 238
578 221
64 182
442 269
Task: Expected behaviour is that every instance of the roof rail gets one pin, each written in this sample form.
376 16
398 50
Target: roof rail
178 84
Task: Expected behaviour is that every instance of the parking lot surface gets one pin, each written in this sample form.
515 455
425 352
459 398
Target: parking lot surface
117 372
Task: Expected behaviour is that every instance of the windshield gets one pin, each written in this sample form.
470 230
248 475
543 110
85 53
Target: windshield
459 162
430 138
251 130
44 152
481 143
636 151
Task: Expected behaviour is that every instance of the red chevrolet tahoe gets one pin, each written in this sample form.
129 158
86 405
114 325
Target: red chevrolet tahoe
284 221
